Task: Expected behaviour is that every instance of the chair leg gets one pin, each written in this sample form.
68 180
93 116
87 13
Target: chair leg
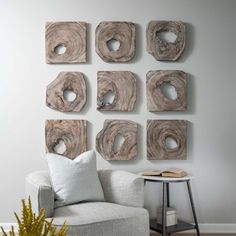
193 208
164 210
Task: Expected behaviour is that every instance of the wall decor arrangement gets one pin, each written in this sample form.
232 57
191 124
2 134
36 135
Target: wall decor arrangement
106 138
69 35
123 32
67 82
156 99
72 132
66 42
158 132
160 49
122 84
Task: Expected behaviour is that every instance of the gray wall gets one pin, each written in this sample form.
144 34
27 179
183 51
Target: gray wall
209 59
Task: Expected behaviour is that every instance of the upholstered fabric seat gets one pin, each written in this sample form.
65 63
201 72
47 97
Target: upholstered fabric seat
121 215
98 218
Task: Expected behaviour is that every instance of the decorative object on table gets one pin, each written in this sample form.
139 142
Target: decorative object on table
160 132
123 33
65 42
75 180
31 225
65 83
112 130
122 85
171 172
157 100
171 216
72 132
161 49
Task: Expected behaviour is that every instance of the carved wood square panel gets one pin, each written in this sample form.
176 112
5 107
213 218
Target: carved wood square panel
111 132
160 136
122 33
159 47
119 84
65 42
57 92
157 100
73 133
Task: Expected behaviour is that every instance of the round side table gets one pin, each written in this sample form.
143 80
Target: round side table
181 225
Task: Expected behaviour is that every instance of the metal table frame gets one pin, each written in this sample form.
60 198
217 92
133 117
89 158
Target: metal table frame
181 226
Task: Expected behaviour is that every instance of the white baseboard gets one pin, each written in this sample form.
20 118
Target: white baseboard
218 228
204 228
215 228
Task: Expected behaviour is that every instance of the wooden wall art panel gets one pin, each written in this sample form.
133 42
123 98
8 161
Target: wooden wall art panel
122 84
106 138
158 131
161 49
71 37
123 32
72 132
67 82
156 100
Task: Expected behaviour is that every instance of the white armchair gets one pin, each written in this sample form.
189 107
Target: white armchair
122 214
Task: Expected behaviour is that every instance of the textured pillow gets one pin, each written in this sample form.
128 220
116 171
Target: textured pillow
74 180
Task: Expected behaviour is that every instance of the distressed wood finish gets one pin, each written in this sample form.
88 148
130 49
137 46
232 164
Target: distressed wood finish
106 137
156 100
157 133
123 32
160 49
71 35
67 81
72 132
122 84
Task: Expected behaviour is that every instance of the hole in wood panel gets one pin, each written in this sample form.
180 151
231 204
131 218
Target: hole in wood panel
166 36
60 147
108 98
60 49
69 95
170 143
113 45
118 142
168 91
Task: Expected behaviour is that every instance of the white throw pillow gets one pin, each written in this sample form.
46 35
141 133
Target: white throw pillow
74 180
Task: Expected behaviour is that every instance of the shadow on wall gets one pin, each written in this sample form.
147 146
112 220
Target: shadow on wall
190 42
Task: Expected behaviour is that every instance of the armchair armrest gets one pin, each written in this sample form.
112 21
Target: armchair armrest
122 187
39 188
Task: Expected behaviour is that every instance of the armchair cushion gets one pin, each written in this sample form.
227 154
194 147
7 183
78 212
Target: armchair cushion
74 180
103 218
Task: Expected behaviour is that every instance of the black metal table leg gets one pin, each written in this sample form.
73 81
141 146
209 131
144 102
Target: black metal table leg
168 194
164 210
193 208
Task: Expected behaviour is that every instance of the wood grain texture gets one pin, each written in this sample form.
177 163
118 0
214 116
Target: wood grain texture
157 133
72 132
71 35
156 100
106 137
161 49
120 83
123 32
67 81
